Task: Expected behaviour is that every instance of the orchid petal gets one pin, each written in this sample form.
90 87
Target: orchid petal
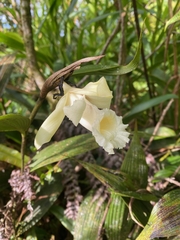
89 116
98 93
75 111
51 124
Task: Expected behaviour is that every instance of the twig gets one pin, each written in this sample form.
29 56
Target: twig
103 219
159 123
170 180
131 211
176 87
143 58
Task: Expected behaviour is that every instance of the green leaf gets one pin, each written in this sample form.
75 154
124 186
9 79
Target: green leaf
146 105
5 73
99 70
11 156
165 218
163 132
134 164
164 173
89 218
19 98
174 159
118 182
141 210
14 122
58 212
69 9
45 199
100 17
112 70
172 20
117 224
13 40
65 149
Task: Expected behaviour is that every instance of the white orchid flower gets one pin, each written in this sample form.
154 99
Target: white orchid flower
109 130
76 100
105 125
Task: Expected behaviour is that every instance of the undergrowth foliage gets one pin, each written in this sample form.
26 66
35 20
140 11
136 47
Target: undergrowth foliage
89 120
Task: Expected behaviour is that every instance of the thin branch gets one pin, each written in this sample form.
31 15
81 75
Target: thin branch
29 45
131 211
170 180
103 219
143 58
159 123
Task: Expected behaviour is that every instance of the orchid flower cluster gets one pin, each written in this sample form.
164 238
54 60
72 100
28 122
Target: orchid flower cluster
89 106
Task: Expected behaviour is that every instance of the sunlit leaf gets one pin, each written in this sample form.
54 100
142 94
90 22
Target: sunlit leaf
165 218
117 224
11 156
163 132
134 164
174 19
65 149
14 122
174 159
13 40
164 173
89 218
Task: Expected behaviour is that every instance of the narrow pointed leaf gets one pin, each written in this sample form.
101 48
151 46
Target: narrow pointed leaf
117 224
112 70
90 216
13 40
119 183
147 105
165 218
100 18
69 9
65 149
11 156
172 20
134 164
58 212
14 122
